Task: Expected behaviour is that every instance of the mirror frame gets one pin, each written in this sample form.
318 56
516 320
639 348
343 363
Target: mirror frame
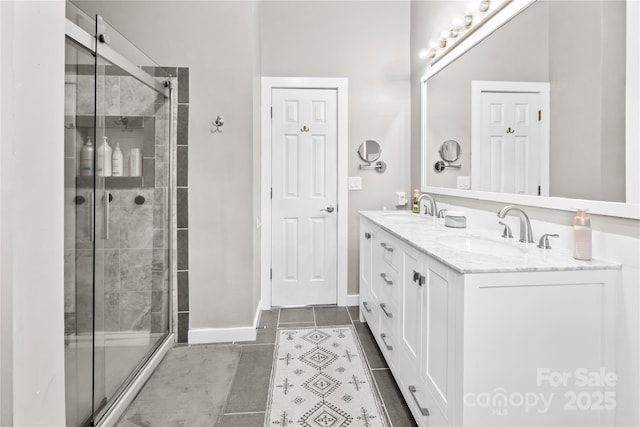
631 207
364 144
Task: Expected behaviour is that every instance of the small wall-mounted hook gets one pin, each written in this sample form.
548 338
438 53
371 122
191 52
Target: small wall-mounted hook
218 122
305 128
509 130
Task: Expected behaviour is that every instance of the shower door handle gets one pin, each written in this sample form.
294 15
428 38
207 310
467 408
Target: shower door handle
92 213
106 214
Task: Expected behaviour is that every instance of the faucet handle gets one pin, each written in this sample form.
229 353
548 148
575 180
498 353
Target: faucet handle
427 211
507 230
441 213
544 241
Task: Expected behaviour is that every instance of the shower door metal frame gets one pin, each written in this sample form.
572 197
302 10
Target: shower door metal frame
110 413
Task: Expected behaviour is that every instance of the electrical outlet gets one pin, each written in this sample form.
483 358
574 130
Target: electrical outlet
464 182
355 183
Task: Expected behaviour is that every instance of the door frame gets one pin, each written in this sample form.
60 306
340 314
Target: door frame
341 85
542 88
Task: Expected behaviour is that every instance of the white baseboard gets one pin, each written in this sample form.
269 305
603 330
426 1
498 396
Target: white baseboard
353 299
217 335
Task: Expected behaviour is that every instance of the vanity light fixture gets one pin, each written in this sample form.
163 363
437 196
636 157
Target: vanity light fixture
476 15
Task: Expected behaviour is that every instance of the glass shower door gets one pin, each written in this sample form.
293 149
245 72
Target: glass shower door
84 223
117 222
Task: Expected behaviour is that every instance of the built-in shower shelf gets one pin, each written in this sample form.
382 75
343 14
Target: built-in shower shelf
112 182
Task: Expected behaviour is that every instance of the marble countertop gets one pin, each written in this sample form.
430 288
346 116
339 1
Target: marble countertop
430 236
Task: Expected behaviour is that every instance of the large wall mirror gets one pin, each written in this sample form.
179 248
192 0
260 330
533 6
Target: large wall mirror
544 106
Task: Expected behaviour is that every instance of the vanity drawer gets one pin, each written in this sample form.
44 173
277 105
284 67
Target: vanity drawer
370 311
387 250
387 336
387 283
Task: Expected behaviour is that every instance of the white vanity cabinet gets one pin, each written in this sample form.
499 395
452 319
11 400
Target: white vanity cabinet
455 340
368 300
427 337
380 286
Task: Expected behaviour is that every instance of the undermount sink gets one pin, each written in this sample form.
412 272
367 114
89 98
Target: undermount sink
481 245
405 216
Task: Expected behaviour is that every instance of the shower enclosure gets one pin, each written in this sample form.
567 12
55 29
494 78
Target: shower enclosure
118 225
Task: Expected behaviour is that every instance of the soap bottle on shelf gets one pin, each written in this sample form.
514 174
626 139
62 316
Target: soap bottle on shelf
582 236
117 161
86 158
103 164
415 203
135 162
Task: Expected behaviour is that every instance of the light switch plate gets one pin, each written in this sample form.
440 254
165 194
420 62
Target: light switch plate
355 183
464 182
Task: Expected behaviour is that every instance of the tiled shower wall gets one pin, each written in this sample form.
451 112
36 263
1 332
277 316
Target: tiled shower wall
135 257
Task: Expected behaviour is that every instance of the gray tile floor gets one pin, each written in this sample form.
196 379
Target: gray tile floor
234 378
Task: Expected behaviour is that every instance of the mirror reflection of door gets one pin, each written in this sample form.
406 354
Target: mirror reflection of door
510 137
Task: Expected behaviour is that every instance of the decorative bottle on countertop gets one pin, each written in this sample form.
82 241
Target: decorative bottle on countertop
116 161
86 158
415 204
103 164
582 235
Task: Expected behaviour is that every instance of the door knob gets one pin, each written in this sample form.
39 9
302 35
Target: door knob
328 209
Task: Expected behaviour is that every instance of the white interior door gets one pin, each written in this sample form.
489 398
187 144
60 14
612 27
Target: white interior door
304 196
509 143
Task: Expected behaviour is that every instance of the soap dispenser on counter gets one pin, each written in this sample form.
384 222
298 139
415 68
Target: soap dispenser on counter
415 201
582 236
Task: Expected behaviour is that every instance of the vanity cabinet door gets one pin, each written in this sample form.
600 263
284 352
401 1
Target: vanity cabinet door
437 357
369 310
366 241
411 302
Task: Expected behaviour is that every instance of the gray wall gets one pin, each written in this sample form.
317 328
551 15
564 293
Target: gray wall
227 47
218 42
368 42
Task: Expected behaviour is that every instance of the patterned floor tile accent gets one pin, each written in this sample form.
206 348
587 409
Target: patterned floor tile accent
320 379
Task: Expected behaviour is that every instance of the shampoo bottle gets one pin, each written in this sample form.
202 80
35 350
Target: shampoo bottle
86 158
117 161
415 204
582 236
103 164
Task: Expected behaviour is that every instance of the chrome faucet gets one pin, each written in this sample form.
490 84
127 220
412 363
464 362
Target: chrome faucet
526 235
432 209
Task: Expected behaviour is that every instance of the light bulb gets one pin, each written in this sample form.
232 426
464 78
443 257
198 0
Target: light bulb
484 5
468 20
423 53
432 52
457 23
